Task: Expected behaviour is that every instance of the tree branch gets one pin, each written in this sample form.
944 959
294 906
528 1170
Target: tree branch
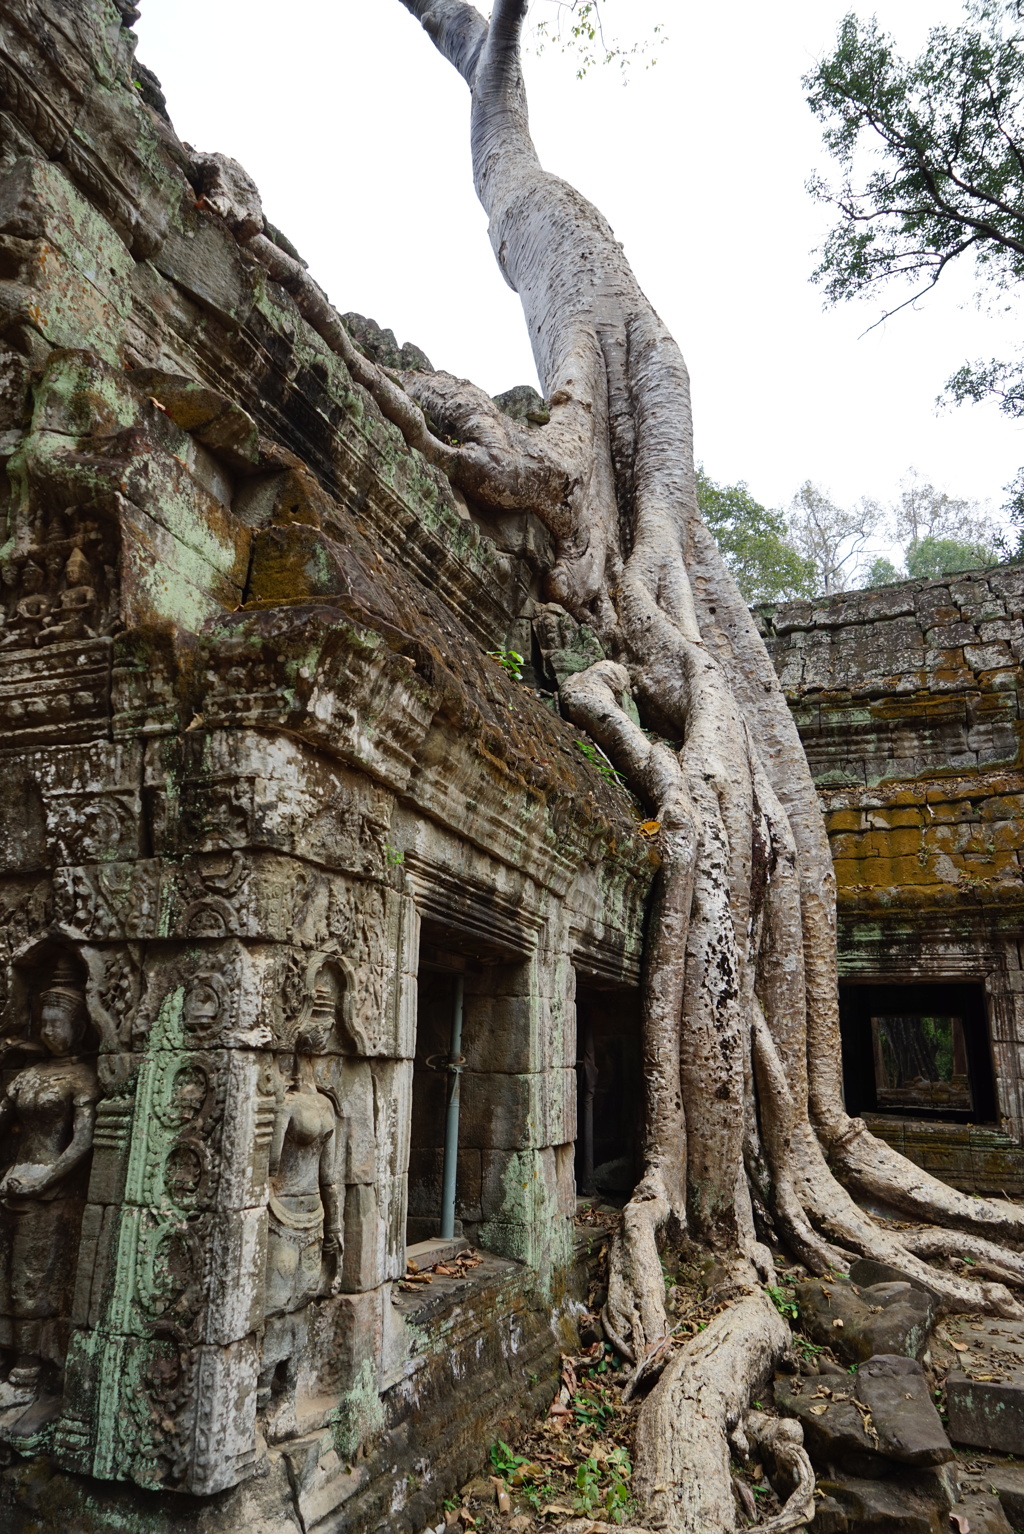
457 30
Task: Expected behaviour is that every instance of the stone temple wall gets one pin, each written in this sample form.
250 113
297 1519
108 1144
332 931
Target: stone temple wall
909 704
257 773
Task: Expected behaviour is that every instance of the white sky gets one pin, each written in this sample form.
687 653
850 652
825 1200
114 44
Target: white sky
355 129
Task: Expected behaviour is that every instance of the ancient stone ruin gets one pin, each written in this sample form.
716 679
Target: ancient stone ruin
267 799
279 817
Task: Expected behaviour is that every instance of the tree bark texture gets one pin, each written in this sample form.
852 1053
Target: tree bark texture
741 1045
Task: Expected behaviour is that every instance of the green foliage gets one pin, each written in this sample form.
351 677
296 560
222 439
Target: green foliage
939 1033
604 1484
946 176
948 128
593 1408
933 556
392 857
754 543
510 661
883 573
600 761
504 1461
579 28
784 1301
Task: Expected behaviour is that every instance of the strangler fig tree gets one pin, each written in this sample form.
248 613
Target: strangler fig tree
744 1110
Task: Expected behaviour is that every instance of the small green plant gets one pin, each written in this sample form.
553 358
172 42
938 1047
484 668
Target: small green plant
604 1485
505 1463
588 1486
784 1301
450 1504
537 1497
593 1409
600 761
510 661
392 856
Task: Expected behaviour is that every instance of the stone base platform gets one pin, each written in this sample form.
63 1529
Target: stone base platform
466 1361
977 1158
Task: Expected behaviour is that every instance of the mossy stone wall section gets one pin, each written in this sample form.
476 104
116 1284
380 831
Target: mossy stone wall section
909 703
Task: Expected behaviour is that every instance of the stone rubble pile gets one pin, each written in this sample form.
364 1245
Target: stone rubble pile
884 1458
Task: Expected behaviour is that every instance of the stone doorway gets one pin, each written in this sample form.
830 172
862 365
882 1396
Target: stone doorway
609 1070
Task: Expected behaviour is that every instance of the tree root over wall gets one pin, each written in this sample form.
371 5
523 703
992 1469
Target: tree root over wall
744 1113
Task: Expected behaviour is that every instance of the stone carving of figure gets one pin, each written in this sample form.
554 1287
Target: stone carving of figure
304 1225
47 1114
67 618
30 611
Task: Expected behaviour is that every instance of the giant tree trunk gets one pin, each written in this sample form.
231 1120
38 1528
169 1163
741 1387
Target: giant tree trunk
741 1038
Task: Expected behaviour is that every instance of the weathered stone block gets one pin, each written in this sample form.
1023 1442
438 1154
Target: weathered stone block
517 1112
897 1395
988 1414
345 1333
1008 1482
374 1234
237 1261
890 1507
981 1513
885 1318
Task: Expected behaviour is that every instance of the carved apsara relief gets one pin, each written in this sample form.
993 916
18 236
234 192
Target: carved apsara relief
305 1238
47 1120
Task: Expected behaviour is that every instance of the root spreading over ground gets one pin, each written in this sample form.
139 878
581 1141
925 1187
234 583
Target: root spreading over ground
745 1125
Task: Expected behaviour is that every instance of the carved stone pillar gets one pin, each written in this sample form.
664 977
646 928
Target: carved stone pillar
163 1366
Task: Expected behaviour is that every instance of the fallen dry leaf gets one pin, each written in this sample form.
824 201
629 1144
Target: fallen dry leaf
501 1495
961 1347
816 1411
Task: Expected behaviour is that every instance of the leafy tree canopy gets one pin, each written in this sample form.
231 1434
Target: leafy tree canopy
882 572
948 133
932 556
754 543
946 177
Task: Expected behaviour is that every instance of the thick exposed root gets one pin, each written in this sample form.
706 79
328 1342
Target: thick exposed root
634 1317
872 1168
745 898
683 1472
780 1441
989 1258
588 1526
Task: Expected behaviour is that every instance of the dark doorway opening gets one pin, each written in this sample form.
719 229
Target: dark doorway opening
917 1051
609 1071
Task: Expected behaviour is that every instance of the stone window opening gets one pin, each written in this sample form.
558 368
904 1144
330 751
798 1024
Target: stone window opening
514 1184
918 1051
609 1071
441 981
